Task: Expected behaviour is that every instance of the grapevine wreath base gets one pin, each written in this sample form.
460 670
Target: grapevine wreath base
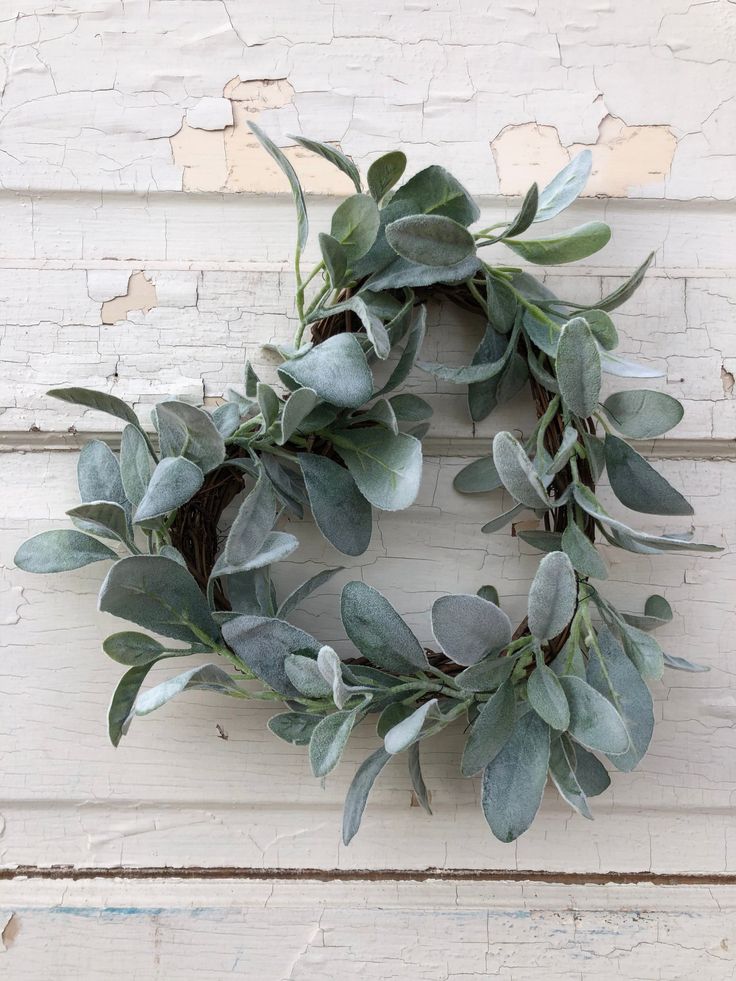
552 696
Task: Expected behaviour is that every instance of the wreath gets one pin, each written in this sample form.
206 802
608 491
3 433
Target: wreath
565 687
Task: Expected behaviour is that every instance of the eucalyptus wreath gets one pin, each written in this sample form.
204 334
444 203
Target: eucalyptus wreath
550 697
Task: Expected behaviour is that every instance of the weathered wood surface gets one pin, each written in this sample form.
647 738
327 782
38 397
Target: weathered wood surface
420 931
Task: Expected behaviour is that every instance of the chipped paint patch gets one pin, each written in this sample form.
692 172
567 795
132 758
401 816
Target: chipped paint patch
727 380
626 159
217 151
141 295
9 931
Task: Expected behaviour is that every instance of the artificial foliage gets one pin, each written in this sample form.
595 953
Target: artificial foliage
549 697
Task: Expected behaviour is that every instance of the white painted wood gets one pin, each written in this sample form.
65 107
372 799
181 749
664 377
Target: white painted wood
173 930
175 793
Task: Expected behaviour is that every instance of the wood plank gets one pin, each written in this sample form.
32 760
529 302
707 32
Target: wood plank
205 323
176 793
174 930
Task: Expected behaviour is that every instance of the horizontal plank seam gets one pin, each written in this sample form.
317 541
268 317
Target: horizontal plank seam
77 873
696 448
154 264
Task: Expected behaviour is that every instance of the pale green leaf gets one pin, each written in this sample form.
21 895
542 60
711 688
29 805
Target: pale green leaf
469 627
60 551
552 596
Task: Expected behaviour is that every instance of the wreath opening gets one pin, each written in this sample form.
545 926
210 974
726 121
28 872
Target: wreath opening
546 699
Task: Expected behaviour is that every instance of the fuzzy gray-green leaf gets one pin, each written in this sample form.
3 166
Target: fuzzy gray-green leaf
430 240
340 511
594 722
174 482
564 187
378 631
468 627
60 551
490 731
552 596
547 697
387 467
578 368
350 386
576 243
360 788
517 472
582 553
638 485
328 741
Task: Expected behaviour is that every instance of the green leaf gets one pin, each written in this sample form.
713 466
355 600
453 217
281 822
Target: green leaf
577 243
622 293
287 483
297 596
378 631
644 651
372 324
207 676
226 418
60 551
409 729
159 595
623 687
489 593
408 356
249 531
526 214
502 304
562 771
305 676
637 484
174 482
602 328
647 543
402 272
472 373
336 370
410 408
491 731
136 464
102 402
361 786
335 258
123 698
643 414
382 413
582 553
296 189
513 782
547 697
384 172
340 511
387 467
430 240
594 722
296 409
434 191
264 643
488 674
134 649
501 520
479 476
468 627
187 431
328 741
517 472
355 225
545 541
552 596
332 155
578 368
294 727
565 187
269 404
98 475
612 364
682 664
483 396
102 518
589 771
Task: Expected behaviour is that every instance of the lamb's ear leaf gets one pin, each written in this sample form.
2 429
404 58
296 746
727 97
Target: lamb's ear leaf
249 530
263 645
302 222
594 722
349 387
298 595
102 402
384 173
335 258
103 518
134 649
333 155
638 485
60 551
582 553
408 356
576 243
627 289
552 596
578 368
517 472
547 697
417 779
434 191
513 782
621 684
136 463
526 214
564 187
340 511
491 730
430 240
565 779
294 727
120 710
387 467
469 627
405 733
98 475
478 477
360 788
328 741
185 430
355 225
378 631
209 677
174 482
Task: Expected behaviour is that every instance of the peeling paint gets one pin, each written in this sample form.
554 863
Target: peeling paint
228 157
626 159
141 295
9 930
727 380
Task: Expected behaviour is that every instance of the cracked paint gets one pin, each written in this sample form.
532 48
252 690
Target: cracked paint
140 295
627 160
230 158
